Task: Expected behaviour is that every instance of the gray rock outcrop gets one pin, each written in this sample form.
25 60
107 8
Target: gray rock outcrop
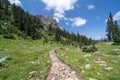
48 21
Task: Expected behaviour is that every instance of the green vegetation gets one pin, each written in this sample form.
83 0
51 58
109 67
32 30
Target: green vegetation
25 45
92 48
114 52
97 65
113 30
15 23
24 56
29 59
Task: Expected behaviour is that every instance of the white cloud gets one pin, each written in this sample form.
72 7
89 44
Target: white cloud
59 7
117 16
58 16
78 21
90 7
16 2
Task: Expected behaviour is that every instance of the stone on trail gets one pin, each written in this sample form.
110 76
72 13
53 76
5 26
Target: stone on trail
60 70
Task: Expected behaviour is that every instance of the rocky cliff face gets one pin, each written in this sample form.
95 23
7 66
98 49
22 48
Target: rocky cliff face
48 21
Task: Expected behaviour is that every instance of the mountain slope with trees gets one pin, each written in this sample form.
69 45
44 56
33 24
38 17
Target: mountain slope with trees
15 22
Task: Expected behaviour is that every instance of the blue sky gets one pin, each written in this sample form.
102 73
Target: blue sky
86 17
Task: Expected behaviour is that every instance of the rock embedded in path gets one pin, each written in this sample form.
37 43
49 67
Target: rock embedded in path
61 71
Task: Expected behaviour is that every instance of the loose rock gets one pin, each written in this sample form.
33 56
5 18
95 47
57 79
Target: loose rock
61 71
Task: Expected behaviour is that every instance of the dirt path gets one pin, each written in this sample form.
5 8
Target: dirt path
61 71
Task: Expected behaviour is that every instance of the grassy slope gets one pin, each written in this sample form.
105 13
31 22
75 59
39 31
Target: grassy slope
26 56
78 61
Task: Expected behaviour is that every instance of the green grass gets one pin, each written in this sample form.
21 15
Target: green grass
78 61
25 56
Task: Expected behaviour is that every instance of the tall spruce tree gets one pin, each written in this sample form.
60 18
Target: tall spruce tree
113 32
116 36
110 26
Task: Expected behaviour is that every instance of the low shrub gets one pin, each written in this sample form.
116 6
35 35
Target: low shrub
114 52
89 49
115 43
9 36
84 49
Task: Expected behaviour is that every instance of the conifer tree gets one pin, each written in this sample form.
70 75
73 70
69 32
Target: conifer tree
110 26
113 32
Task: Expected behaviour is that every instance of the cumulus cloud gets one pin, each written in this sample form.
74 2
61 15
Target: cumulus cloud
59 6
78 21
90 7
75 22
16 2
58 16
117 16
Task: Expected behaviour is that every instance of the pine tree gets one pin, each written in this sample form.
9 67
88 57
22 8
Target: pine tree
113 32
116 36
110 26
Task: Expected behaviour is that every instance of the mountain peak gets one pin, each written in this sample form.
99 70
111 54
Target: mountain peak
48 21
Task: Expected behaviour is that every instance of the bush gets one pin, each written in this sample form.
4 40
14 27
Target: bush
115 43
81 45
89 49
114 52
9 36
84 49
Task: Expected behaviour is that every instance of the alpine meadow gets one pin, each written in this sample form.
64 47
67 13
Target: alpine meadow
59 40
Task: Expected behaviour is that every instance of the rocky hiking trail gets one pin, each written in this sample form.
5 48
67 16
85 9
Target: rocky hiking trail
60 70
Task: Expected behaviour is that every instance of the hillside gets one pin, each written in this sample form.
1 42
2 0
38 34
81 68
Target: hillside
15 23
